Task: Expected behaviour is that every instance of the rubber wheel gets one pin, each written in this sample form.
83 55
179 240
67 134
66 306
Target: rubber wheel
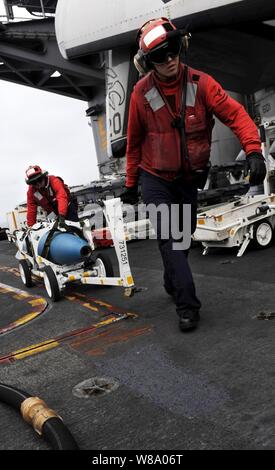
25 273
262 235
104 265
51 284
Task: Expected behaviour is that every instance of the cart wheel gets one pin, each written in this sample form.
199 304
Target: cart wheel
104 266
262 234
25 273
51 284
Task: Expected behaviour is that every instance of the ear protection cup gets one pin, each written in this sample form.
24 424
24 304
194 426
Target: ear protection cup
142 65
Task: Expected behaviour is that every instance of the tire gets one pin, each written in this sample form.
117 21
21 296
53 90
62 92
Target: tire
105 266
51 284
3 235
262 235
25 273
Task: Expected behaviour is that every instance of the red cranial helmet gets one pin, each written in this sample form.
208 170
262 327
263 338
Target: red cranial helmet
155 32
158 40
33 173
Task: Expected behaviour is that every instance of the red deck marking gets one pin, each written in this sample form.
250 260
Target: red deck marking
54 342
87 340
98 344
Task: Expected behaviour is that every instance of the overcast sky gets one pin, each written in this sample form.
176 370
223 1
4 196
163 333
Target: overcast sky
43 128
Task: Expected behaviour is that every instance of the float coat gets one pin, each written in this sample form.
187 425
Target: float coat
55 197
154 144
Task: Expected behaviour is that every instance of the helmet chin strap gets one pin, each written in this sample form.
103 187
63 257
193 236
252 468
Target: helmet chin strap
186 38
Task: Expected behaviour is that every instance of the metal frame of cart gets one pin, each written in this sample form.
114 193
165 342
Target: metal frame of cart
56 277
237 223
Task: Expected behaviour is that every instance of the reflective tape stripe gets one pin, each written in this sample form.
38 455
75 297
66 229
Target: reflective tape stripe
156 102
154 99
154 34
51 193
38 196
191 94
30 172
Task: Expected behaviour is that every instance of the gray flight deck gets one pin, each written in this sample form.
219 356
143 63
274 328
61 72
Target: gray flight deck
208 389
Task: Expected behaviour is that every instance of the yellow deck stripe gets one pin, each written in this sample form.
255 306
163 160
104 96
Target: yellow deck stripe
18 297
26 318
102 304
17 355
39 305
36 302
3 291
89 306
25 295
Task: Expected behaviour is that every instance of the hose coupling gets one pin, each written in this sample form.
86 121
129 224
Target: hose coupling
36 412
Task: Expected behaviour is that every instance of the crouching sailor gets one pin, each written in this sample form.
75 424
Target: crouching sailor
51 193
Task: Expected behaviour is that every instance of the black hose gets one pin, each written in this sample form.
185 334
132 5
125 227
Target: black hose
58 435
12 396
53 430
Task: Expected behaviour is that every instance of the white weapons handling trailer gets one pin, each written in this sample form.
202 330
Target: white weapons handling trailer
92 270
250 218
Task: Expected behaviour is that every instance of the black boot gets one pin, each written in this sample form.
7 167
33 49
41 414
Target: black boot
189 319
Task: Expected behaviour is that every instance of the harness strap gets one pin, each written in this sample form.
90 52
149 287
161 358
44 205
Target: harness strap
46 247
179 122
184 148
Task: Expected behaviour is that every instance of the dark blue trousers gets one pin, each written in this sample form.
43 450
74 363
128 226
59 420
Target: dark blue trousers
72 214
177 273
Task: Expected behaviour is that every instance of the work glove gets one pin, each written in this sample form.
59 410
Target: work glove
129 195
199 177
61 221
255 166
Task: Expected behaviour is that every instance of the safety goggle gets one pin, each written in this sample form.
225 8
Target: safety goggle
37 181
169 49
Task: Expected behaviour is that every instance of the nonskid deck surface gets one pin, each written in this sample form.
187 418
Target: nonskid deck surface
209 389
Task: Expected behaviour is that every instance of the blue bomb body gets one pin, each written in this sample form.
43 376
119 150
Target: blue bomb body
65 248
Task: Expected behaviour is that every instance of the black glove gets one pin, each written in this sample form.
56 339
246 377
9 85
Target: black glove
199 177
130 195
61 221
255 164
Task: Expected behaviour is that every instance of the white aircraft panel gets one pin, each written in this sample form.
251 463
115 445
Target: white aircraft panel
87 21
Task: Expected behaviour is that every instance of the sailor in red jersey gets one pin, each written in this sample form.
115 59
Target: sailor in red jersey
169 141
51 193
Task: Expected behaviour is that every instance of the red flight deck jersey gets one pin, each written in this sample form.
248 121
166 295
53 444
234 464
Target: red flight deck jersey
56 192
155 146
